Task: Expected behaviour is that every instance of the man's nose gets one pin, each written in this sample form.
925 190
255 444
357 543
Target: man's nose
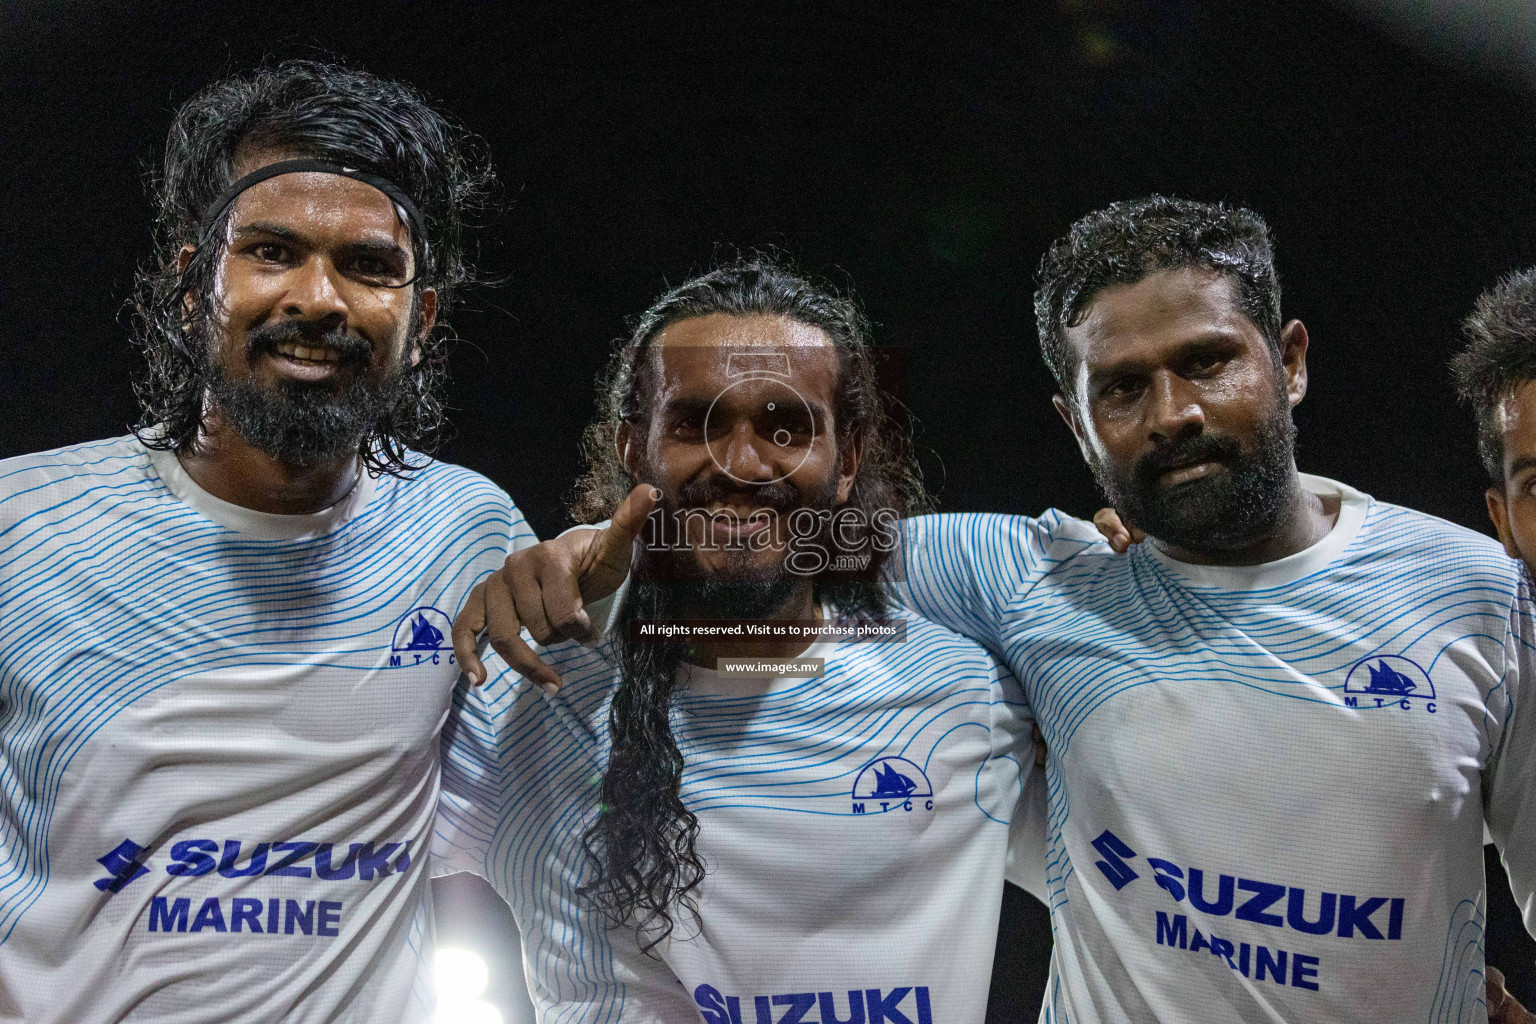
312 293
1173 410
740 454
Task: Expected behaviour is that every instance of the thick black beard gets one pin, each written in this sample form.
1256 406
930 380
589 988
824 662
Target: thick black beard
674 586
739 589
726 599
1227 511
302 424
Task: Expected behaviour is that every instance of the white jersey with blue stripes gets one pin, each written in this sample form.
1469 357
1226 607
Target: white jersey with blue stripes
854 829
218 739
1267 785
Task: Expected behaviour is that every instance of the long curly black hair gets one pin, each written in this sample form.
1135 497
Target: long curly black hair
641 849
320 110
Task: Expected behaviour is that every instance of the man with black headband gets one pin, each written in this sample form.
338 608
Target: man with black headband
224 654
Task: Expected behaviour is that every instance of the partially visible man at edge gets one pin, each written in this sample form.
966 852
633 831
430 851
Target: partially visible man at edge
223 640
1495 375
820 843
1202 871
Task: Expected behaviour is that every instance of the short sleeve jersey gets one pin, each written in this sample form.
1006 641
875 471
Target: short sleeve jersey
218 738
854 828
1267 785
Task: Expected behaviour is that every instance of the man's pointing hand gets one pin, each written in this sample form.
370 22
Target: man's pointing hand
545 589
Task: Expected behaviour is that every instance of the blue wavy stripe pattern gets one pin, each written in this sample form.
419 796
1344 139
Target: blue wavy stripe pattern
1080 627
521 771
111 589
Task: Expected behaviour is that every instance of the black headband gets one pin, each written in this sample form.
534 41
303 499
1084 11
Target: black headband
412 215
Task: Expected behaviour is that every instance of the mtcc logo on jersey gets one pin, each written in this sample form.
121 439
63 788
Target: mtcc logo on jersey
891 784
1386 679
421 637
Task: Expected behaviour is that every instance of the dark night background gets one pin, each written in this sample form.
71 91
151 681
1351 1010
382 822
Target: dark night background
926 155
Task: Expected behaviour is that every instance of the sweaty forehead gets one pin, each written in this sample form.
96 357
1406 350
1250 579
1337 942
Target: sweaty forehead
313 202
1169 306
711 352
724 330
1516 417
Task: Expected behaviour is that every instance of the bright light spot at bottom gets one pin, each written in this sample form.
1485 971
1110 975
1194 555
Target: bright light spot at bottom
461 978
476 1011
460 974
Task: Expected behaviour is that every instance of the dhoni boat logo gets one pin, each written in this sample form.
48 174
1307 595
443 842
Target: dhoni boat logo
890 784
422 635
1385 679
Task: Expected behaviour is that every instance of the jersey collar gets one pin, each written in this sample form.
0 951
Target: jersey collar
1352 508
260 525
699 680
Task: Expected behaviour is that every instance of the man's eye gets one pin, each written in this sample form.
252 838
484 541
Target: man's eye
270 252
1120 388
376 267
688 424
792 415
790 430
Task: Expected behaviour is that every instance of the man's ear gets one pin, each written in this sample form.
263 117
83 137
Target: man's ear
428 307
628 447
1498 511
183 261
1293 359
1068 414
428 300
848 458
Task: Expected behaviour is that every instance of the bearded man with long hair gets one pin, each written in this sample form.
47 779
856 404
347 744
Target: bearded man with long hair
678 837
223 654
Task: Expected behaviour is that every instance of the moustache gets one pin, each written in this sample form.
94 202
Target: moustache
780 497
1199 448
349 348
